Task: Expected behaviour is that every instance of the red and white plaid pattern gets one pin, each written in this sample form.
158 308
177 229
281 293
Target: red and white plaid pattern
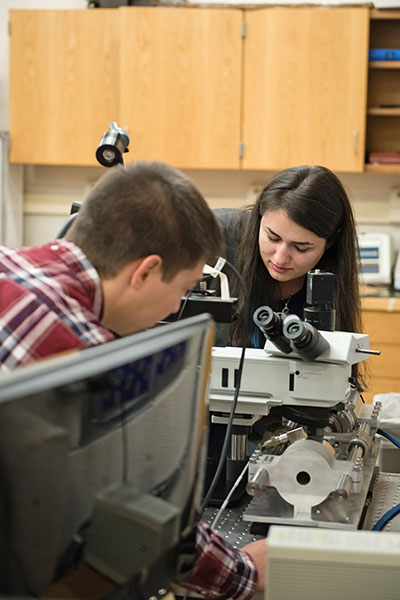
51 300
220 571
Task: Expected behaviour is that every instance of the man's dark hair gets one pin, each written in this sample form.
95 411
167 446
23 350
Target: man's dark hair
146 208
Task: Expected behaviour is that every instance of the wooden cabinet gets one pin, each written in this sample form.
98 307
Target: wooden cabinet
180 78
189 87
170 76
63 84
381 321
305 72
383 111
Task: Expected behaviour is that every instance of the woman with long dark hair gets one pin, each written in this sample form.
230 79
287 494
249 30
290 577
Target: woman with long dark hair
302 220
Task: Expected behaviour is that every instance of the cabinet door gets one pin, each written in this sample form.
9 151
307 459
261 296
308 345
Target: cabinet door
63 84
383 328
305 85
180 85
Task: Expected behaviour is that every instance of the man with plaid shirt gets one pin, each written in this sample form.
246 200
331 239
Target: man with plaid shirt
137 245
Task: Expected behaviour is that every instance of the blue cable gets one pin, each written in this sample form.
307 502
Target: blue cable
390 514
389 437
379 525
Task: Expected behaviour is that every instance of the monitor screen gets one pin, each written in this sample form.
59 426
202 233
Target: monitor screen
94 441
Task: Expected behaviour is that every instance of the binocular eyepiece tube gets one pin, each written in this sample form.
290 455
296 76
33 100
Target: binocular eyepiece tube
307 340
270 324
289 332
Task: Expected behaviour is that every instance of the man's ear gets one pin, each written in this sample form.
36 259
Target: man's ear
145 269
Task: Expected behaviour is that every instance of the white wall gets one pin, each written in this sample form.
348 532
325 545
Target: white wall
49 191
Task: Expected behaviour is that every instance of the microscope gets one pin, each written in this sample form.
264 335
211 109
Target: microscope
316 463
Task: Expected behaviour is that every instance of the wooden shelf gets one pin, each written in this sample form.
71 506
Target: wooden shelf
383 122
379 111
384 14
380 168
384 64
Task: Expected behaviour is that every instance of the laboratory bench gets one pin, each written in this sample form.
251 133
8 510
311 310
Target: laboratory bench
384 494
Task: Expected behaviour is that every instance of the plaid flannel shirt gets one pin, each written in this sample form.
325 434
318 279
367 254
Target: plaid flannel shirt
220 571
51 300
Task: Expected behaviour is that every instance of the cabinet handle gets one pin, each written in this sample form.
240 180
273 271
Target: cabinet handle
355 141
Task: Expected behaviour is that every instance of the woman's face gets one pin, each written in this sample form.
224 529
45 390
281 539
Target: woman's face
288 251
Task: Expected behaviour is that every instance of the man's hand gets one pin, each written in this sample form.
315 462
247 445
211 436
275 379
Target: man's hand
258 552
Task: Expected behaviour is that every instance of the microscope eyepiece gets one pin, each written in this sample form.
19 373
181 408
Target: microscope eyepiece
265 317
294 329
307 340
270 324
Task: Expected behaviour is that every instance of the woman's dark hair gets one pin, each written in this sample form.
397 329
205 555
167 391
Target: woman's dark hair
314 198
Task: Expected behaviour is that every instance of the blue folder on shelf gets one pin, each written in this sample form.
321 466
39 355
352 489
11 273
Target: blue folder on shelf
384 54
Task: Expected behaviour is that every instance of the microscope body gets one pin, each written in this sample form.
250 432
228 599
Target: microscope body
317 470
271 377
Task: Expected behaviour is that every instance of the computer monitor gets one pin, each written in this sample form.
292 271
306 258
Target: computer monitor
111 436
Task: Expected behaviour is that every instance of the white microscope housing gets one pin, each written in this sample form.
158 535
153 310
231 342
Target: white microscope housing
309 474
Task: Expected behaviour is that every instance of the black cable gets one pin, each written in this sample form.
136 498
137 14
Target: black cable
187 297
182 308
224 450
